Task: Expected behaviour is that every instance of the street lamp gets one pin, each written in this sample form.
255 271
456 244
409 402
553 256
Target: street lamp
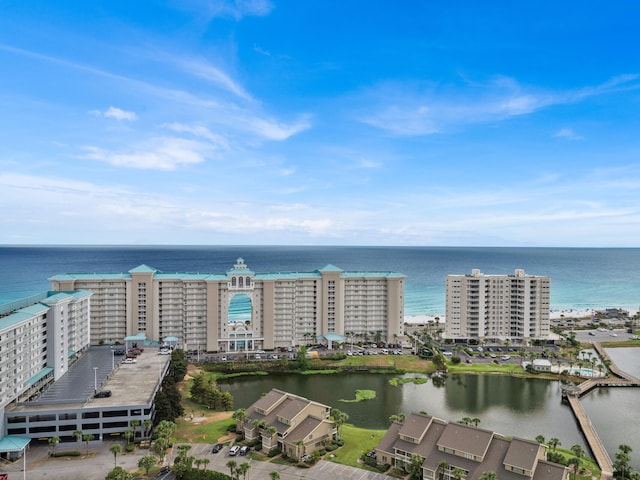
95 379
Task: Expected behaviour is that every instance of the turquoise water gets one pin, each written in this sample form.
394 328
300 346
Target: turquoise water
580 277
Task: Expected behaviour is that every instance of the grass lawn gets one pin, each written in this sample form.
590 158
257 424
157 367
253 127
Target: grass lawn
409 363
356 442
211 428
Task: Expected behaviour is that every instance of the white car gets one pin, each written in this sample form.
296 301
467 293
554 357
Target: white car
129 360
260 351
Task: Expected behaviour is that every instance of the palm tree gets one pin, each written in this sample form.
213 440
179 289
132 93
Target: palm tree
205 462
475 421
240 416
575 463
442 466
53 442
198 462
554 443
232 465
115 449
78 435
488 476
128 434
87 437
540 439
135 424
339 418
577 450
415 467
458 473
243 468
147 427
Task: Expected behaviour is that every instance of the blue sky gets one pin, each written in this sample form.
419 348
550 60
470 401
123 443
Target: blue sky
320 122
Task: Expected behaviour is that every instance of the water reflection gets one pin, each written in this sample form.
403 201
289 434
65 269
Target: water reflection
511 406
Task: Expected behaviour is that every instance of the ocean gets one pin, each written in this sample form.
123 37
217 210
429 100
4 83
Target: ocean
580 277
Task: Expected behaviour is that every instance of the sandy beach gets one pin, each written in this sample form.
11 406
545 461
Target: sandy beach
554 315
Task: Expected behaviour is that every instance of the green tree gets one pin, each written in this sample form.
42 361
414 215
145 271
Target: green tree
574 462
147 424
415 467
301 359
540 439
554 443
115 449
147 462
232 465
243 469
118 473
488 476
128 435
135 424
53 442
87 437
443 466
577 450
274 475
78 435
622 464
458 473
339 418
178 365
168 401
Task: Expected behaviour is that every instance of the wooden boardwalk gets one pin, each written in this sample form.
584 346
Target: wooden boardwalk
620 379
595 444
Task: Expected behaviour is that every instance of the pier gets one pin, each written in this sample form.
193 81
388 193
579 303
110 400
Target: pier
573 394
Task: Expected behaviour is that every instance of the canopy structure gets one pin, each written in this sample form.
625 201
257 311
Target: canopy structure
330 338
13 444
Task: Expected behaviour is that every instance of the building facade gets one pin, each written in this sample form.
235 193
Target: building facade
455 451
288 422
497 307
39 338
286 309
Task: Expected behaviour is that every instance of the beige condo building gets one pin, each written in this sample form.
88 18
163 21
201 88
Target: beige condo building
286 309
514 307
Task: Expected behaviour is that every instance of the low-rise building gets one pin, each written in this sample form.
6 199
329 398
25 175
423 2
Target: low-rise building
450 450
295 425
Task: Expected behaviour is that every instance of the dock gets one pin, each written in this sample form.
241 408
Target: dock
573 394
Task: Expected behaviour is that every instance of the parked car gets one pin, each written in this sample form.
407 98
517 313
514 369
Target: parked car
233 451
216 448
129 360
103 394
244 450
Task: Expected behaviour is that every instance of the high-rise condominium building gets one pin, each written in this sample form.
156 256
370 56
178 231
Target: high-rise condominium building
286 309
514 307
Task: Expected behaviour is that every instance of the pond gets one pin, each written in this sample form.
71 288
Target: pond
522 407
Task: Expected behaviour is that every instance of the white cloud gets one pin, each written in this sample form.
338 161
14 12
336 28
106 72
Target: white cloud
567 133
163 153
207 10
199 131
115 113
421 109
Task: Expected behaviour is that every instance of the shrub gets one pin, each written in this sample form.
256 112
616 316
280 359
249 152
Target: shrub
68 453
339 442
274 453
455 359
